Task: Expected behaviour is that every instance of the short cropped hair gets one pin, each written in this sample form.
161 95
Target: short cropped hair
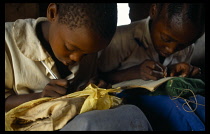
193 12
99 17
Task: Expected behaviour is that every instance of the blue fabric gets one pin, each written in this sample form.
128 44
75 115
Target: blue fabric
166 114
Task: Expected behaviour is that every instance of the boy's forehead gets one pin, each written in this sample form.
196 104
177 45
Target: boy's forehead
178 24
176 21
183 32
84 39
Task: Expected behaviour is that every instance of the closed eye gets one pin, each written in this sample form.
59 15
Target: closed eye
165 39
70 50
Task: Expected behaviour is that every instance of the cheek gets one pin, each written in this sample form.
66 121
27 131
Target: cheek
157 42
155 39
59 51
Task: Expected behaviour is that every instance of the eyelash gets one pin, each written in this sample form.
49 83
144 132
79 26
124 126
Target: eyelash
165 40
68 49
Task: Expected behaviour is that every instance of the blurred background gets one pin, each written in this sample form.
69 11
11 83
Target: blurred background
127 13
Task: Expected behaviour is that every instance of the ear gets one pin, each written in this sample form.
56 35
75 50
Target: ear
52 12
153 11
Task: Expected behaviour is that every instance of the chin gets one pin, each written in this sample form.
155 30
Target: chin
163 54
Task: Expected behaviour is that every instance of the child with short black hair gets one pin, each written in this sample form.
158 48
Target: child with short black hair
72 34
156 47
45 56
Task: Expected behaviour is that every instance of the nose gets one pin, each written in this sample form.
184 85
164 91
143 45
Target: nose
76 56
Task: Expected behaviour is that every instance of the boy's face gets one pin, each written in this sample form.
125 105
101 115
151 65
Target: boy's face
170 37
69 46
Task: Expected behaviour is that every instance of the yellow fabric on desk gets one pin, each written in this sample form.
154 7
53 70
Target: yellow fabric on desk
48 114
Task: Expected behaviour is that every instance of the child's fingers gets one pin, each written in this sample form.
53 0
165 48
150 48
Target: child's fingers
159 67
149 64
195 71
185 70
148 74
60 82
160 70
154 70
174 71
58 89
149 77
157 74
181 70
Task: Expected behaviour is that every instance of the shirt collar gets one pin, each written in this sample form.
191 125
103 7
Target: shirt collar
26 38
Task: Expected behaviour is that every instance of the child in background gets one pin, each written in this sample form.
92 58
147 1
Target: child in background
149 48
45 56
158 46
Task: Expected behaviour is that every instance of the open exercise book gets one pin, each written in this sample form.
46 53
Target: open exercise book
150 85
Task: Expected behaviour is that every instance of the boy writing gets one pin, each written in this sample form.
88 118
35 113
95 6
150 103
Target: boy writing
45 56
158 46
149 48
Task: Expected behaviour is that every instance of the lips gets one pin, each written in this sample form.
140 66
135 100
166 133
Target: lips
67 63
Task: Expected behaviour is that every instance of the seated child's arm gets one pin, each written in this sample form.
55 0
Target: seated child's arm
14 100
148 70
97 81
55 88
184 70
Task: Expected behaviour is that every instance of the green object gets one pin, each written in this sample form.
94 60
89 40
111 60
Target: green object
181 86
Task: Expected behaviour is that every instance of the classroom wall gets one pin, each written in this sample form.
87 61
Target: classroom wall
14 11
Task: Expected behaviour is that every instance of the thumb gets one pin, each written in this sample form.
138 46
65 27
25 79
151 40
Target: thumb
195 71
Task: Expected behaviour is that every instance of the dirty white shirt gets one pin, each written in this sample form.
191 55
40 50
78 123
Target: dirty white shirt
124 52
24 72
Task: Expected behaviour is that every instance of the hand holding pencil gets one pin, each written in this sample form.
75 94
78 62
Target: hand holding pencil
151 70
56 87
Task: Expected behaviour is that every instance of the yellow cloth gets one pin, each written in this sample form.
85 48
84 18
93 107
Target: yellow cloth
48 114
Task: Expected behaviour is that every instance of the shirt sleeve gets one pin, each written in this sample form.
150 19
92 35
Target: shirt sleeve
184 55
189 53
117 51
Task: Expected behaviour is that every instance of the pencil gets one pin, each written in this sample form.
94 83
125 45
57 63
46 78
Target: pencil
50 71
164 71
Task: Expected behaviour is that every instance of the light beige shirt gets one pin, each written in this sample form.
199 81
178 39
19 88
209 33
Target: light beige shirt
124 52
24 72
